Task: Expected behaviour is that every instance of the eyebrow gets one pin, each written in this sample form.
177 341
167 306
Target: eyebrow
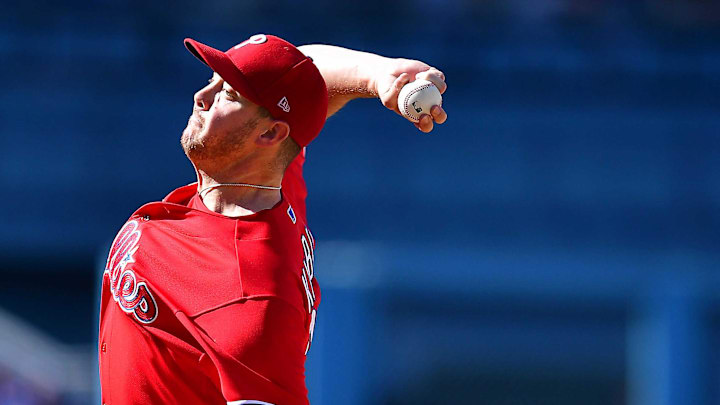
230 89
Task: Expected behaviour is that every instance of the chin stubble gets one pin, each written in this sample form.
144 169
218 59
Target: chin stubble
218 146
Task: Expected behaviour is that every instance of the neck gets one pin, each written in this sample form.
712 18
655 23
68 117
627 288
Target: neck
237 201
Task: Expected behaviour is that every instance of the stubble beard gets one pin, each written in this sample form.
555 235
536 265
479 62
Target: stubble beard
215 149
190 141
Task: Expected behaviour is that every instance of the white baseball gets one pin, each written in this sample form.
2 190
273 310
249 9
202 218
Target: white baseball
417 98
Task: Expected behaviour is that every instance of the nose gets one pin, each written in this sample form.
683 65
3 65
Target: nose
202 100
205 96
199 103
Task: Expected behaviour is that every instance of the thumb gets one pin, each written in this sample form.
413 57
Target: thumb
392 88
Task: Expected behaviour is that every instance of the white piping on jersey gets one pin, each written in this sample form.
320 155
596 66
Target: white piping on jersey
249 402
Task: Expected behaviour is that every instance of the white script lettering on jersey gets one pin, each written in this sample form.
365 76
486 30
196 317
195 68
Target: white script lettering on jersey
254 40
133 297
308 273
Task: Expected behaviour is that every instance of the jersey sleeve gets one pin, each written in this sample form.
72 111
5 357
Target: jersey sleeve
294 184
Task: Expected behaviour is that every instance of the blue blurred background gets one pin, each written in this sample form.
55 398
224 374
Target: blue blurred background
555 242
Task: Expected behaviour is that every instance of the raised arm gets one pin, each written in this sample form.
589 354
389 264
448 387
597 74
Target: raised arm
353 74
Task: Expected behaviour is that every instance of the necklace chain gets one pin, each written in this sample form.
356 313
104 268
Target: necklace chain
208 188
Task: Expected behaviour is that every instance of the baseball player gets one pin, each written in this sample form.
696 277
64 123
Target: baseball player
209 296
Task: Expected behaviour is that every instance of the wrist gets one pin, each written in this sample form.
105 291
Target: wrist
378 72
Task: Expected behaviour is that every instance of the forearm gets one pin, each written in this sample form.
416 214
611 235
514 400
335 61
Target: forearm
353 74
348 74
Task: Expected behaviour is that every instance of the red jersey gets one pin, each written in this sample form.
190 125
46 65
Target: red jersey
200 308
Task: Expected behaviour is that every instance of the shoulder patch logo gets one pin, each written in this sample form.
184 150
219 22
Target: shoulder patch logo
133 297
291 214
284 104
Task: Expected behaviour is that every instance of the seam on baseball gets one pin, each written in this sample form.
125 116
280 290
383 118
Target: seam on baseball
407 98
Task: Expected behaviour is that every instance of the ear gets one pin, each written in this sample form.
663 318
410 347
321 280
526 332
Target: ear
279 130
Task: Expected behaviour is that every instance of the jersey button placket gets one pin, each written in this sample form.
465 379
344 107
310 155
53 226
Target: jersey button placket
103 347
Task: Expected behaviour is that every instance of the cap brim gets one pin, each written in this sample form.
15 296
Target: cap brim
221 64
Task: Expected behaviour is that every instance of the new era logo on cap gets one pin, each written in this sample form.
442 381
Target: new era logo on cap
283 103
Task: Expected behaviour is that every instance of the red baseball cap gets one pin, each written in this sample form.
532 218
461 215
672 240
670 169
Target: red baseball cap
274 74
